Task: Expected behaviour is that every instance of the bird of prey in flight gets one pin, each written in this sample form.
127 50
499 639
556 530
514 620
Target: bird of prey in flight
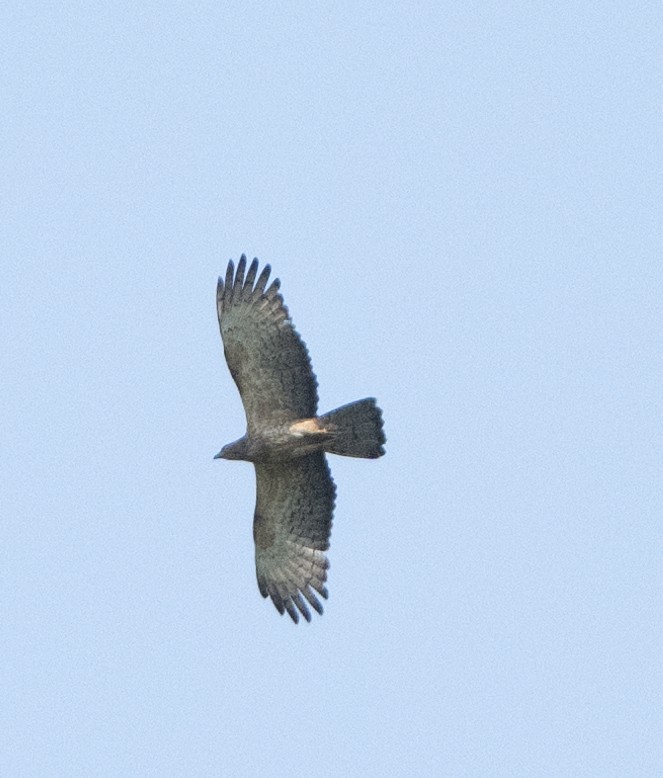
286 439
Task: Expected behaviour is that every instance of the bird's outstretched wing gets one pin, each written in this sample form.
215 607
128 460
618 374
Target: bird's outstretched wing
266 357
291 529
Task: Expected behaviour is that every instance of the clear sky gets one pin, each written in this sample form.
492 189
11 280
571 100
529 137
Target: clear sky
463 203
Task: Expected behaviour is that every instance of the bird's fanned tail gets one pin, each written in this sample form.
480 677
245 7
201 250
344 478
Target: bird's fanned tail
356 430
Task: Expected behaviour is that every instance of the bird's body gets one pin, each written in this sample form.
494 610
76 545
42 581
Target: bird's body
285 439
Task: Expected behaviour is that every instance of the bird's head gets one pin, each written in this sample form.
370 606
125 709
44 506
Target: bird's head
235 450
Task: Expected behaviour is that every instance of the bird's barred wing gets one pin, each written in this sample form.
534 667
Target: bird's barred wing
291 529
266 357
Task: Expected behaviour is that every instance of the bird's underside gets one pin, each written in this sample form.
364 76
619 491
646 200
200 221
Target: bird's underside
286 440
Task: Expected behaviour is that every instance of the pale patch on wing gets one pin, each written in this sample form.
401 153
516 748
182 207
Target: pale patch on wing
307 427
263 533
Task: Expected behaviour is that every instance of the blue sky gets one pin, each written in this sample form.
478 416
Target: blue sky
463 203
